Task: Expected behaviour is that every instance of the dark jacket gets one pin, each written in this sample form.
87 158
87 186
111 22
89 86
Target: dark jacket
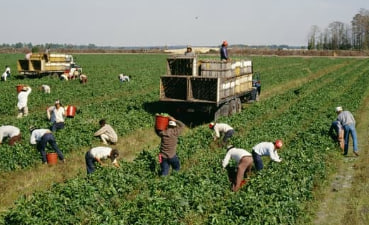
169 140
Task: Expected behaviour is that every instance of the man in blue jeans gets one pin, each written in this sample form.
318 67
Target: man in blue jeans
348 122
169 139
41 137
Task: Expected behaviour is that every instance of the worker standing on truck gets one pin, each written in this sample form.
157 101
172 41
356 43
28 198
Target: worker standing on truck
41 137
266 149
56 115
106 133
189 51
97 154
168 146
244 161
22 101
348 122
224 52
221 129
12 132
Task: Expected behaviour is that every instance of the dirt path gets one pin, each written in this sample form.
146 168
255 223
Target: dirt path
346 196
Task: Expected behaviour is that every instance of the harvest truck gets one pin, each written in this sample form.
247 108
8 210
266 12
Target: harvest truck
48 64
213 87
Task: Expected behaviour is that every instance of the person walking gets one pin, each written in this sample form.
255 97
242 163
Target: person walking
56 115
100 153
168 146
41 137
224 52
22 101
221 129
266 149
244 162
106 133
348 123
11 132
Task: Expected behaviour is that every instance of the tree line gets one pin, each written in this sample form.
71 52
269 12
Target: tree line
341 36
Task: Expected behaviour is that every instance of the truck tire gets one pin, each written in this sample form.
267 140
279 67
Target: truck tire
238 105
232 107
221 111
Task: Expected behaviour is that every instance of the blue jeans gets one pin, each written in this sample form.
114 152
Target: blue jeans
257 161
90 162
350 129
57 126
227 135
167 162
48 138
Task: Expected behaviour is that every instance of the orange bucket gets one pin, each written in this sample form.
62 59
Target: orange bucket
19 88
52 158
71 111
161 122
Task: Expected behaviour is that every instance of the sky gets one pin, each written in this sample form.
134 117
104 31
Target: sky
170 22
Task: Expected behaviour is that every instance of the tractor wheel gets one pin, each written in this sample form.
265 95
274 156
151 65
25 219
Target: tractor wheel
232 107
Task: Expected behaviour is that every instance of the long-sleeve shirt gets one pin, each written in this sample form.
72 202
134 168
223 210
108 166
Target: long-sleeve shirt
346 118
56 115
109 131
223 53
169 140
23 98
267 149
102 153
221 128
236 154
37 135
8 131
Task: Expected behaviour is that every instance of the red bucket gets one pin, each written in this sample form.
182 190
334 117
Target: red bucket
52 158
19 88
71 111
161 122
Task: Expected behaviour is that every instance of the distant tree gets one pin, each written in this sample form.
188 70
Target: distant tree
313 37
360 30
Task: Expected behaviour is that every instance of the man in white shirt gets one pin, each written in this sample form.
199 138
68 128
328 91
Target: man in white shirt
41 137
7 71
244 164
45 88
123 78
12 132
97 154
266 149
222 129
56 115
22 101
4 76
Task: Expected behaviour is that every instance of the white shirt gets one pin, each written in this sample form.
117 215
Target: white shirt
56 115
4 76
236 154
221 128
7 69
37 135
122 77
23 98
8 131
267 149
102 153
46 88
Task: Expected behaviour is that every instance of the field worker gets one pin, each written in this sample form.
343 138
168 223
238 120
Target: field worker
189 51
244 161
224 52
45 88
41 137
348 123
7 71
4 76
83 78
221 129
169 139
106 133
22 101
56 115
266 149
123 78
64 76
11 132
337 133
97 154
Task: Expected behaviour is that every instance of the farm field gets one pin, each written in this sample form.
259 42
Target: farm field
200 193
